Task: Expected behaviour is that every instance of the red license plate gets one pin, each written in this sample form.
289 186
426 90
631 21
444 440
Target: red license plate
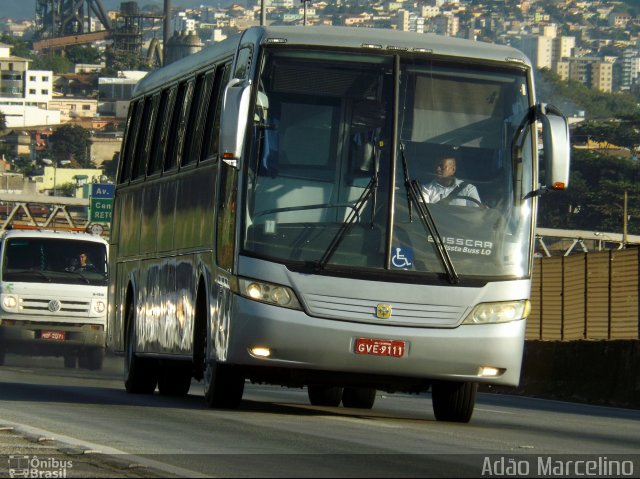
53 335
380 347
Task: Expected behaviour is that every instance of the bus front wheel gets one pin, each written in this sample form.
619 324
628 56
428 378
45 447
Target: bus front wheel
453 401
359 398
324 395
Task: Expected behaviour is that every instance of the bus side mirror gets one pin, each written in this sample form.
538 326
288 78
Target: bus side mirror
233 120
556 146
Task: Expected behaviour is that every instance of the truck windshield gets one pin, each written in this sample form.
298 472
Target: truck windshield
50 260
328 183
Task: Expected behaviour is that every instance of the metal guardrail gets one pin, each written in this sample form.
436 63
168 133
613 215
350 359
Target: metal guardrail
566 241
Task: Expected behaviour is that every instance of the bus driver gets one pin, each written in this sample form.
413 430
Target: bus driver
447 189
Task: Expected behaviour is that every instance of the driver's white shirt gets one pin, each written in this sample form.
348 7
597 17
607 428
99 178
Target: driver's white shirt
434 192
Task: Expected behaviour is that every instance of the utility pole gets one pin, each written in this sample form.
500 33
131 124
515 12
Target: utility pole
263 13
304 10
624 221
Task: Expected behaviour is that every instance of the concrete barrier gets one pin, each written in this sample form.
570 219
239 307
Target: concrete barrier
603 372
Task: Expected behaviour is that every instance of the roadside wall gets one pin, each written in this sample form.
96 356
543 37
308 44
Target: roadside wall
602 372
585 296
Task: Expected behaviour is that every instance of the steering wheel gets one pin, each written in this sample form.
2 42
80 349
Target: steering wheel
469 198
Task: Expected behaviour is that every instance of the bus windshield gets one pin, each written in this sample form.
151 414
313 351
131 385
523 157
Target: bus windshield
329 184
50 260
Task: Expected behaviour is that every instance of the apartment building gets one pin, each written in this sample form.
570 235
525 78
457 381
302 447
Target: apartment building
25 94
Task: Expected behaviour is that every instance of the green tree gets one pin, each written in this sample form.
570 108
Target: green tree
83 54
3 121
110 167
53 62
594 199
71 142
19 47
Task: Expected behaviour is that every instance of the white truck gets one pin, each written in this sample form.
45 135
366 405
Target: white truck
53 296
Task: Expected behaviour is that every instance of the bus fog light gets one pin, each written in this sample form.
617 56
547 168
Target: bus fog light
260 352
490 372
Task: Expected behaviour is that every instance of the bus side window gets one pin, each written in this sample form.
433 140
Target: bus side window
193 130
212 122
160 131
243 63
180 111
135 112
142 143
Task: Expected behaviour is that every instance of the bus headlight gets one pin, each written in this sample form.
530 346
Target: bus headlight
503 312
9 301
269 293
99 307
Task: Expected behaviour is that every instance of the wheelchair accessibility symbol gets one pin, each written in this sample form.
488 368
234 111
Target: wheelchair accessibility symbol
402 258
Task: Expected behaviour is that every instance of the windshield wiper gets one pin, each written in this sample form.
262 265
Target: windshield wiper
354 214
414 195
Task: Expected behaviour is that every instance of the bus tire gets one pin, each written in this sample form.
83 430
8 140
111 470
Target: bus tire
140 374
174 378
453 401
324 395
359 398
223 386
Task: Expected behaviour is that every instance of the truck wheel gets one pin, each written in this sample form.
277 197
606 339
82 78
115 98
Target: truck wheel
140 374
324 395
359 398
92 359
70 361
453 401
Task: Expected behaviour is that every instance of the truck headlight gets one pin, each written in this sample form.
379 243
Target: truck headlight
502 312
9 301
99 307
269 293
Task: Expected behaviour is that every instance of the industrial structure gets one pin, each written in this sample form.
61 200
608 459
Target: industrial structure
62 23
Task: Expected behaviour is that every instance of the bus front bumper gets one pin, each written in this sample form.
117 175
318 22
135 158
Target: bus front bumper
489 353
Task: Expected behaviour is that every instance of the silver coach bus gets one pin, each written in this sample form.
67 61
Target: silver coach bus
270 223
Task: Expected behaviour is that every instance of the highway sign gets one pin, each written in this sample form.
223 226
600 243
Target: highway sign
101 210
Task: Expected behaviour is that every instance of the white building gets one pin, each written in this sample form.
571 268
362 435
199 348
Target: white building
25 94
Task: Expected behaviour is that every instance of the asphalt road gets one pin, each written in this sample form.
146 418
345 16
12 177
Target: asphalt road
276 433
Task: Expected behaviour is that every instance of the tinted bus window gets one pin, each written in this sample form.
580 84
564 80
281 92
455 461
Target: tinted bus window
175 139
142 142
212 123
193 131
243 63
156 157
135 112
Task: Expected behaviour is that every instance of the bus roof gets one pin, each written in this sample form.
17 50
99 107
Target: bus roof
375 39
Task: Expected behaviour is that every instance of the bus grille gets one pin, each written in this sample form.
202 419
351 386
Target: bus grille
402 313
